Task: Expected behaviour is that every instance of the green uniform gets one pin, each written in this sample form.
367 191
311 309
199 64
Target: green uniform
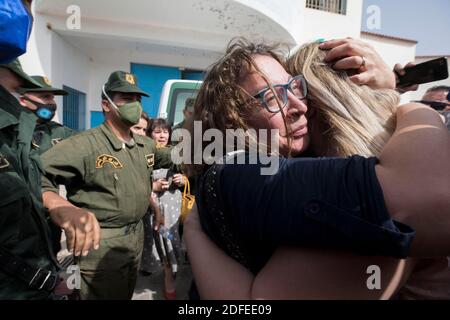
45 136
24 231
111 179
48 134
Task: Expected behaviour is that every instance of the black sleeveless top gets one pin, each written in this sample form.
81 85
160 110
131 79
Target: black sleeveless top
331 203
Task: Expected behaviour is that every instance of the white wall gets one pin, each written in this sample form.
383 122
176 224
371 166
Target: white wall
70 67
104 57
50 55
320 24
424 87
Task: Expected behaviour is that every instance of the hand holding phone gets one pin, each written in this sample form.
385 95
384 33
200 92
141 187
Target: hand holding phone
433 70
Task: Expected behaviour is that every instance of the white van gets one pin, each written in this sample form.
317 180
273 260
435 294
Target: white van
173 98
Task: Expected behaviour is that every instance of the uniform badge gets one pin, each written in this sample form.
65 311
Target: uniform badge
56 141
130 79
105 158
47 81
150 160
4 163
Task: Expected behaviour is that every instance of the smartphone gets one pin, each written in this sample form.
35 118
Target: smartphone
433 70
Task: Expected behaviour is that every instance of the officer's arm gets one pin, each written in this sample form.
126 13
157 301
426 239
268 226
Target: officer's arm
69 132
64 164
163 159
15 205
415 182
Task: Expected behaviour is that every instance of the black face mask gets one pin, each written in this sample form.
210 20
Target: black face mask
45 112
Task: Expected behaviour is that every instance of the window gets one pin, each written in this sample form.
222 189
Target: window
74 109
334 6
178 102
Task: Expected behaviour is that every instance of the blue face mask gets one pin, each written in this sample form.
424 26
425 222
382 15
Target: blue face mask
16 23
45 112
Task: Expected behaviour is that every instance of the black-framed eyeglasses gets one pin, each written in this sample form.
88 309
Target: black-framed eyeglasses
270 99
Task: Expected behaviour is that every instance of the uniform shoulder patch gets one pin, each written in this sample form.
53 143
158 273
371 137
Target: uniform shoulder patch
106 158
150 159
4 163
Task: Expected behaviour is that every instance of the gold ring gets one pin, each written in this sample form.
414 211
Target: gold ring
363 63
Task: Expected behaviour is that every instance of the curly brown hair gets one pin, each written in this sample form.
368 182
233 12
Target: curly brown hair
222 102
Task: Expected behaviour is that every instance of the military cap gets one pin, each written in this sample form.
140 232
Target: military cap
46 86
189 104
15 67
120 81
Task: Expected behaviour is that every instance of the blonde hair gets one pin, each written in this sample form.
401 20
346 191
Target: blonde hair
352 119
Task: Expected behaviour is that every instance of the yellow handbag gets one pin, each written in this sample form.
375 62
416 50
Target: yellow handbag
187 201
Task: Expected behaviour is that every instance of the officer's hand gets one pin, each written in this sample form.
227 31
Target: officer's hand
81 228
347 54
178 179
400 70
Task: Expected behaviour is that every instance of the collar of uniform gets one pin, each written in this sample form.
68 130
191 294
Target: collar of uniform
48 125
10 109
116 142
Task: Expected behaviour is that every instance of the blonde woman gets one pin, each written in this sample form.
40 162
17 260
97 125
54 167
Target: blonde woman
337 204
349 119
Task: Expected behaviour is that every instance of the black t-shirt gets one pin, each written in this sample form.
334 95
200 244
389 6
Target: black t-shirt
331 203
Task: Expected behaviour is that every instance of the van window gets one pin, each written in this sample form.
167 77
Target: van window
177 103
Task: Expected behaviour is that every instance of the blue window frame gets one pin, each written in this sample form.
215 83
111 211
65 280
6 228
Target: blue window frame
74 109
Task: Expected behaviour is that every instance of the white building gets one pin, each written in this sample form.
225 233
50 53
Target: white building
159 40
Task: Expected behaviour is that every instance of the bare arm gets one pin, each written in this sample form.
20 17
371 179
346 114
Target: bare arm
291 273
415 185
81 227
216 275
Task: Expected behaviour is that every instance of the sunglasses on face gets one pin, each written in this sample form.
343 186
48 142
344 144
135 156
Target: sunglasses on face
436 105
271 99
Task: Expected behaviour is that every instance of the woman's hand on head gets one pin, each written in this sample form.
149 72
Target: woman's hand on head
356 55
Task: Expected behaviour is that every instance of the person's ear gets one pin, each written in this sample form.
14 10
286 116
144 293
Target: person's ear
105 106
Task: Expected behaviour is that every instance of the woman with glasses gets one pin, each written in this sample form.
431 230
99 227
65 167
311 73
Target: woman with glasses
354 204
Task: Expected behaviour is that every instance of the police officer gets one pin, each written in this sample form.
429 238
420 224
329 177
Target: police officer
107 173
28 267
42 102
